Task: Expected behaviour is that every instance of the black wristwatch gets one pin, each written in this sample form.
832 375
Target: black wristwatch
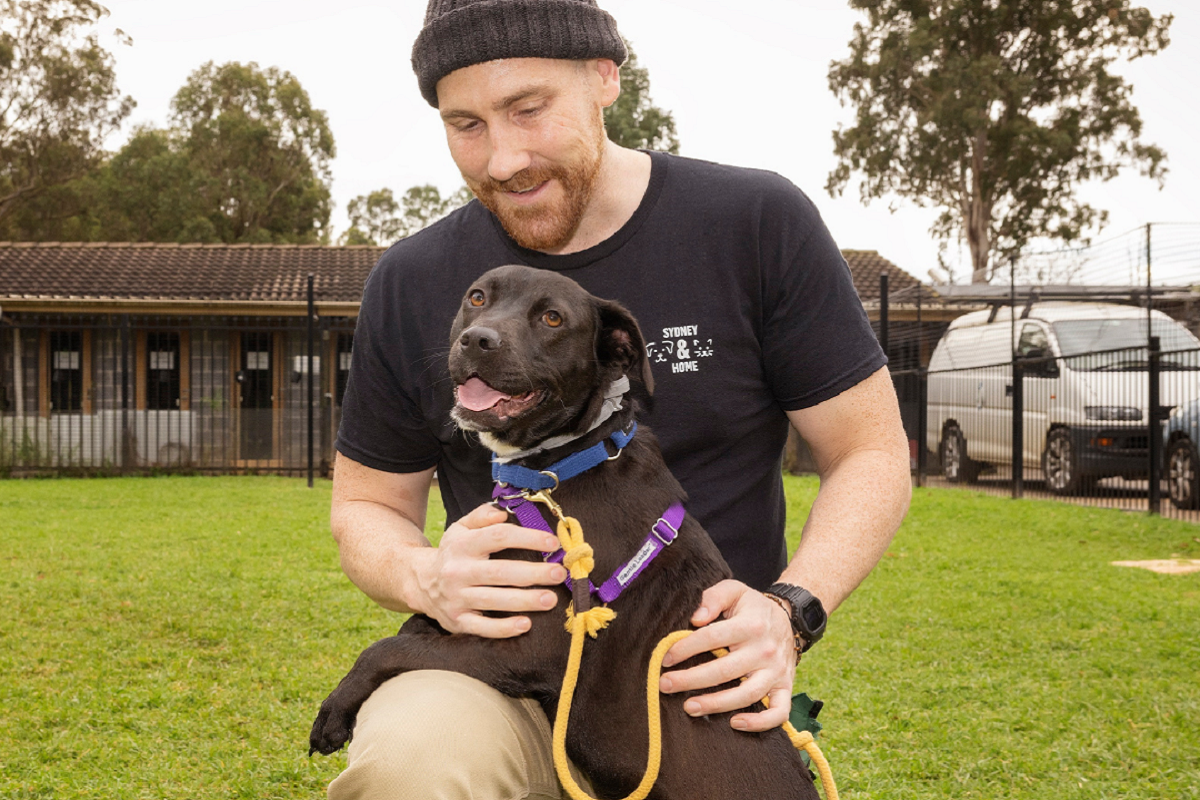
808 615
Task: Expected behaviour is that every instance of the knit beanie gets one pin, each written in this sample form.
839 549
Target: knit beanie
459 33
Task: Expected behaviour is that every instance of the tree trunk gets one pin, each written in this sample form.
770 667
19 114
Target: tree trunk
978 213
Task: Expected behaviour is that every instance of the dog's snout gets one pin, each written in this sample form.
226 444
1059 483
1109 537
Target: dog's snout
480 337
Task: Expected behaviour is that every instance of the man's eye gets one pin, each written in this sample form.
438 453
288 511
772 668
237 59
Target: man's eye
476 298
552 318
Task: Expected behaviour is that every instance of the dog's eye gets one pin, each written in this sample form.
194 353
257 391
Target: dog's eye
552 318
477 299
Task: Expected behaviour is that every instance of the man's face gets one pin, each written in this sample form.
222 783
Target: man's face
528 136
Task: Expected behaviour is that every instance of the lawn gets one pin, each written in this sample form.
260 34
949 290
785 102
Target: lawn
172 638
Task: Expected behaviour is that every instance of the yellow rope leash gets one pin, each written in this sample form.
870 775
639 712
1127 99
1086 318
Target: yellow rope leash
579 561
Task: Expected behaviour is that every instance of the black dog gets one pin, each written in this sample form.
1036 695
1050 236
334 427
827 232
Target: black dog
534 355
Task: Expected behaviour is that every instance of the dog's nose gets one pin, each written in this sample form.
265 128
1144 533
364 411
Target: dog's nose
484 338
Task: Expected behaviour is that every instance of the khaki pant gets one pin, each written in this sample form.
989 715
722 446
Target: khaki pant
437 735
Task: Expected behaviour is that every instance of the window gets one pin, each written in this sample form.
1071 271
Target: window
1089 335
162 371
345 344
1033 338
66 371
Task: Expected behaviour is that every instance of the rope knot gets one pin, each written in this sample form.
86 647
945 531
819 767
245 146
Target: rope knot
579 561
591 621
578 553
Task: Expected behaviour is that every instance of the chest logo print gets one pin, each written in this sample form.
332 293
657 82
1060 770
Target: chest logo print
681 347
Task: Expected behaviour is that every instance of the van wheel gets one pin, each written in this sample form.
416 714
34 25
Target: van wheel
1183 475
1060 465
956 467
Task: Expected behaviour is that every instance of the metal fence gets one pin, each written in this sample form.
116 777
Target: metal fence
1116 428
125 394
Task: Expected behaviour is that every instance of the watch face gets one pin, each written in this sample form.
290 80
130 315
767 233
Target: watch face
814 616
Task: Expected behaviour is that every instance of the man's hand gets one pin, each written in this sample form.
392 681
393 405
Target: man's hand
758 634
458 580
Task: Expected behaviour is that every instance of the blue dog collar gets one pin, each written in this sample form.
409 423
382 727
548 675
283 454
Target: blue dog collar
574 464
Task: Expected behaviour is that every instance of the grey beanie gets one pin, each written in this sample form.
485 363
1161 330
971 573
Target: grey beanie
459 33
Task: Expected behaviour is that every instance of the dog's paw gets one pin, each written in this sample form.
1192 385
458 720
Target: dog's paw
332 728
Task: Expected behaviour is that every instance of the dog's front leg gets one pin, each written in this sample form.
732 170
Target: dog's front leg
523 665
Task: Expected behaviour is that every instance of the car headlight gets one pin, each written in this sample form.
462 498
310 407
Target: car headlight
1113 413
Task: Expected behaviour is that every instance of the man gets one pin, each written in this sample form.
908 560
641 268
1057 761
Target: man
752 322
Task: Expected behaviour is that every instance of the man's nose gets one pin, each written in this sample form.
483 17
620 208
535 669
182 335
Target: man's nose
481 338
509 154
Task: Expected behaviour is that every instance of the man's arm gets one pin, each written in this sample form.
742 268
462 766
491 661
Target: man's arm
378 521
861 452
862 456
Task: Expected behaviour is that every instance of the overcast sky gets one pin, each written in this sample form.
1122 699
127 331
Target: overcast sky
746 82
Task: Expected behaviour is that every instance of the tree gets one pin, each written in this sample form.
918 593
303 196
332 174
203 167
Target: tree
150 191
377 218
995 111
633 120
58 98
247 160
261 150
146 192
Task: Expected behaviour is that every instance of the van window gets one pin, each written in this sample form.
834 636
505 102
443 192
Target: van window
1033 338
1080 336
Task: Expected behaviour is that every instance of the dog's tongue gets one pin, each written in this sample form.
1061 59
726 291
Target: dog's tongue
476 395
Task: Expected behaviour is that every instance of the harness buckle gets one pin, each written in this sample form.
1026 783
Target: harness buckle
543 496
657 535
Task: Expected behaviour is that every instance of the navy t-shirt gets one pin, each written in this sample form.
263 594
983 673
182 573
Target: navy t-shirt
746 305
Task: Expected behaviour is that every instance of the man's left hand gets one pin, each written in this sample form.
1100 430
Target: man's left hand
758 635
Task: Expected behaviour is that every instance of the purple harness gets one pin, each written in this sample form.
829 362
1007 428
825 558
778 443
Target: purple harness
516 501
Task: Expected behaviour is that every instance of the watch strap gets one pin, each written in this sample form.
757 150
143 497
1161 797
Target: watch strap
798 642
808 615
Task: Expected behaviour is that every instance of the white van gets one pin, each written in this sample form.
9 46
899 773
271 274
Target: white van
1085 417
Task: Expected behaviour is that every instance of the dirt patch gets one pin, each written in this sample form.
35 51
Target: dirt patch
1176 566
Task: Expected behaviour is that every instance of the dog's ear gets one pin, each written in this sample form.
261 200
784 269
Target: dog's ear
620 343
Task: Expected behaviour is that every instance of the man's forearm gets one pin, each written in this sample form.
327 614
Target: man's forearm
379 548
858 508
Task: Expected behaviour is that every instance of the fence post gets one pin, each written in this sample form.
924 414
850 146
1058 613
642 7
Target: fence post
1018 428
123 456
1155 448
922 419
883 312
312 311
1149 285
922 398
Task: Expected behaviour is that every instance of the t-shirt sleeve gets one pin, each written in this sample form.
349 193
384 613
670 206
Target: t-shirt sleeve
382 425
817 340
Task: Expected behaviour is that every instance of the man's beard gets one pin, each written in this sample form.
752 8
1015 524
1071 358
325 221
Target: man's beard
542 227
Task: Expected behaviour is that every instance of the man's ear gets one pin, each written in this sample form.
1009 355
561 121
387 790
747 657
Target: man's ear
609 80
620 343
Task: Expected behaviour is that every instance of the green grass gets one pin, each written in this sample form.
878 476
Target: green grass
996 654
172 638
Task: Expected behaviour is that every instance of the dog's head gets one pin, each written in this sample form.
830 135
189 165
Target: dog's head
532 353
